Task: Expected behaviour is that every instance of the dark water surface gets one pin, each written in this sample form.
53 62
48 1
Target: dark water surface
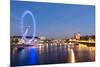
51 54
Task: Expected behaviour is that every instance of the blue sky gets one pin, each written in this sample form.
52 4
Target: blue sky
54 20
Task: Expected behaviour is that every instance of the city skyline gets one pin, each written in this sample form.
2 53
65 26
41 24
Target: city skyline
54 20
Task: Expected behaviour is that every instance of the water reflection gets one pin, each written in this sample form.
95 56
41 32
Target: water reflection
71 55
83 53
51 54
33 56
27 56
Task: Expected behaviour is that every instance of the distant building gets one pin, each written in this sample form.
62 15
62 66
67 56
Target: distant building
42 38
77 36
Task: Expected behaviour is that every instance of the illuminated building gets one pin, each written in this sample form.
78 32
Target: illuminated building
77 36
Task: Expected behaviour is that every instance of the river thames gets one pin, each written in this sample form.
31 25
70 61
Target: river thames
52 54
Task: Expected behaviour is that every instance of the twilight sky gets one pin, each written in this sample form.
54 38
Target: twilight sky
53 20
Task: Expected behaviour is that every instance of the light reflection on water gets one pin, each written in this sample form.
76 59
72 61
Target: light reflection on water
72 56
51 54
